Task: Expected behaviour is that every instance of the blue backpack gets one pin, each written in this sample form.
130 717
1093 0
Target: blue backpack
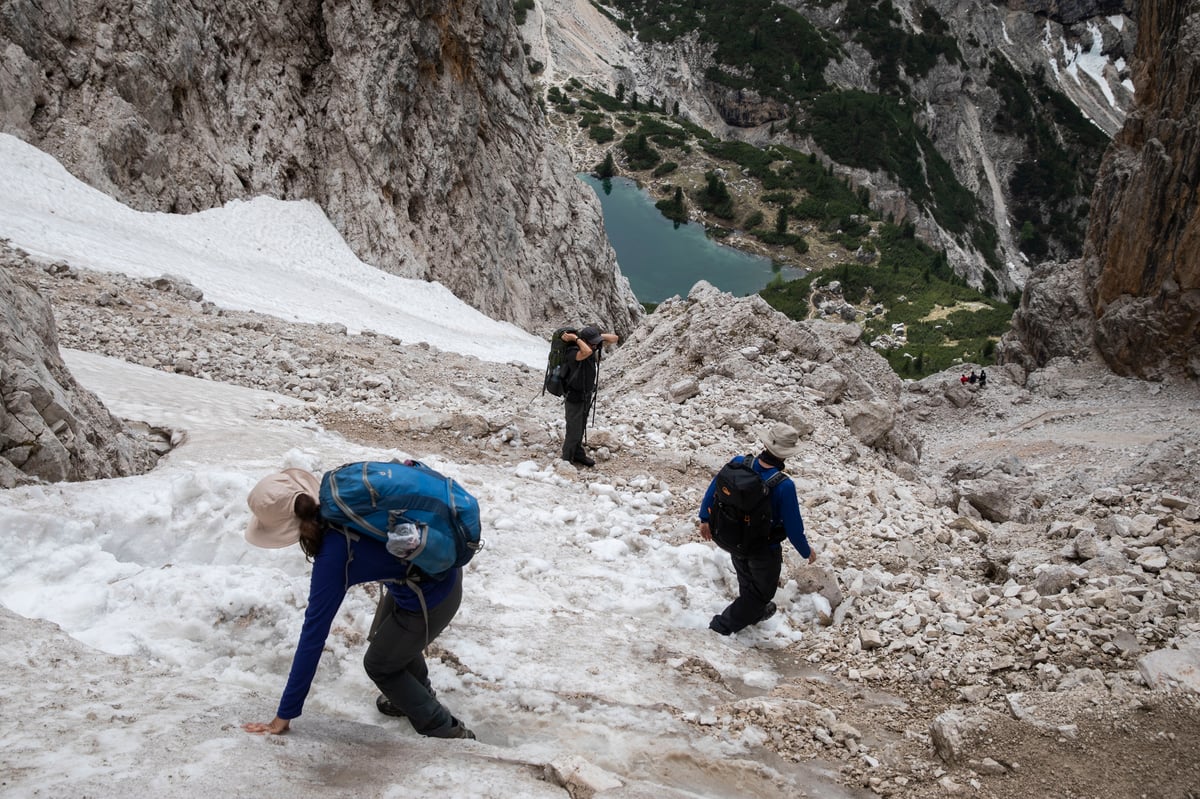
424 517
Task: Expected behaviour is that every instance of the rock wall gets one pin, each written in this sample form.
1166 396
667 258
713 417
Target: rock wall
51 428
1055 319
1134 298
413 124
1143 247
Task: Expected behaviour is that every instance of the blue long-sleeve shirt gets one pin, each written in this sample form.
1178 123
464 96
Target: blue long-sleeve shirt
785 507
339 564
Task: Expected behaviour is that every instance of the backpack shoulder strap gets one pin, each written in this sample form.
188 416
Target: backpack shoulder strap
771 481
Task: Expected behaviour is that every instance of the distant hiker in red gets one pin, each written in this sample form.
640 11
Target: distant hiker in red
286 511
963 379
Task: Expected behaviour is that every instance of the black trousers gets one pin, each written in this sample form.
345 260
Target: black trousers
577 413
758 579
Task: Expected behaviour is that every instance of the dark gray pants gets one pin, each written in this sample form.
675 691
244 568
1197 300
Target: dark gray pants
395 661
577 413
758 579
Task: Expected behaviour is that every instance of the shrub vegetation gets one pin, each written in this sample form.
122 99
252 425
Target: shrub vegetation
915 280
639 153
674 208
715 198
757 44
1050 188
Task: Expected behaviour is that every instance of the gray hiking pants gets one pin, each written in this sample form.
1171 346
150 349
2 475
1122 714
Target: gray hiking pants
395 661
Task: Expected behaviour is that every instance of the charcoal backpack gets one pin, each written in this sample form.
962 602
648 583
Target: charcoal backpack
740 520
557 366
424 517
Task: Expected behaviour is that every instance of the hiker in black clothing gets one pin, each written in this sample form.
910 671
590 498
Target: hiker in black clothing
583 353
758 573
974 378
982 378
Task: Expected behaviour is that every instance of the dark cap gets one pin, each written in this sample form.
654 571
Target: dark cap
590 334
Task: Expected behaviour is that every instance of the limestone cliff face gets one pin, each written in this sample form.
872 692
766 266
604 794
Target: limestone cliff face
1143 247
50 427
1067 12
412 124
1138 283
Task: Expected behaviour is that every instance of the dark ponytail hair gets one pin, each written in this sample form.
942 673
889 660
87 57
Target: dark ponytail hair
770 460
312 529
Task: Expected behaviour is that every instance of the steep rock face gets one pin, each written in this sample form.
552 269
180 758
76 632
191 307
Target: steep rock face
411 123
50 427
1055 319
1138 283
1067 13
1143 247
746 108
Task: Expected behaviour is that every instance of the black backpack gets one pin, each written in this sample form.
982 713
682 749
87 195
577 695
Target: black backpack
557 365
740 520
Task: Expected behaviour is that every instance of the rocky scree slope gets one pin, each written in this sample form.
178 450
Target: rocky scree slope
412 125
976 626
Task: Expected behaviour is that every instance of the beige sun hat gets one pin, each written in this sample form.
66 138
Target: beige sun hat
782 441
273 522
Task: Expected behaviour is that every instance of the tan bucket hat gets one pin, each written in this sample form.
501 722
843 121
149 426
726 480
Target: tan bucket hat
782 441
273 522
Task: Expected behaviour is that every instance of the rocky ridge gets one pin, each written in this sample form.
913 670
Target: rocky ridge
988 612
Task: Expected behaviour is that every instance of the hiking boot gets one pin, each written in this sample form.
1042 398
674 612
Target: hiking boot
385 706
459 730
717 625
455 729
583 460
768 611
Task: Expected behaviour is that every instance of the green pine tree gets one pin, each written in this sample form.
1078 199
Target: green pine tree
606 168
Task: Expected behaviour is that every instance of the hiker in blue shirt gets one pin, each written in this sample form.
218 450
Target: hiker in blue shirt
285 511
758 573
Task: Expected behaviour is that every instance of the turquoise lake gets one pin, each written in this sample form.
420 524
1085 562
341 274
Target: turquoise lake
661 259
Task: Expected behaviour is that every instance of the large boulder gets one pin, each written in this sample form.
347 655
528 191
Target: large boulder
51 428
